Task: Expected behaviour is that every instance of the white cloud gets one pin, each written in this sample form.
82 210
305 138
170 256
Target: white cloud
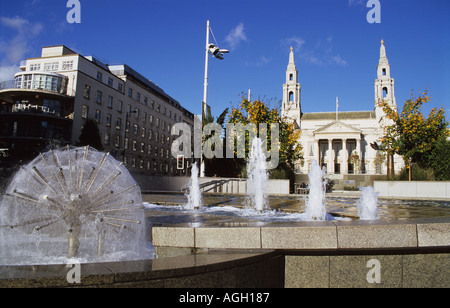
320 54
13 50
338 60
355 2
7 72
236 36
295 41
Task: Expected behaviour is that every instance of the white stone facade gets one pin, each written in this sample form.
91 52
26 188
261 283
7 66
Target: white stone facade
341 141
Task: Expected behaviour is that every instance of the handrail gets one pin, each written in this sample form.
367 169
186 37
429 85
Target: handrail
214 184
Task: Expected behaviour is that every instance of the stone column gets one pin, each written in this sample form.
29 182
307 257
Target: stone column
344 167
358 167
330 164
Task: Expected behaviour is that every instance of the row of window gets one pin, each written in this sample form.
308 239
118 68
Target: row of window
154 166
163 125
52 66
110 100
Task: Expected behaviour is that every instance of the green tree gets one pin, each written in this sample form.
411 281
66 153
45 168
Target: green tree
90 135
258 112
410 134
440 160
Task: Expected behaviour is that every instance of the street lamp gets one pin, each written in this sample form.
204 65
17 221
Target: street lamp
217 53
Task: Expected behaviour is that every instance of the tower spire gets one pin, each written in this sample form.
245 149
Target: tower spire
291 108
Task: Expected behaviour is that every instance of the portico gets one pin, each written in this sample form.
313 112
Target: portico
335 143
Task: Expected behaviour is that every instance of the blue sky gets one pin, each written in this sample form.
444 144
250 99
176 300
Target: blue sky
336 49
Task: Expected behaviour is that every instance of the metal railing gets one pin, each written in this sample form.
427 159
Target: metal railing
221 186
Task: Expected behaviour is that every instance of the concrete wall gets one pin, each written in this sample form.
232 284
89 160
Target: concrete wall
175 183
416 189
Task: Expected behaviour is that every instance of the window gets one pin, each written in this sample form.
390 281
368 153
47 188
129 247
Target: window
138 97
87 91
98 116
35 67
134 145
120 87
291 77
142 147
55 66
18 84
117 142
120 106
27 81
85 112
67 65
291 96
110 102
110 82
384 72
135 129
108 120
99 97
130 92
385 92
47 67
99 76
119 123
107 138
145 100
143 132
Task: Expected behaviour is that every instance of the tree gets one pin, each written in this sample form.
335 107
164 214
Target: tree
90 135
258 112
410 134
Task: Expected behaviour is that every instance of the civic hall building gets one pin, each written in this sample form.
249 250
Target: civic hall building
341 141
52 96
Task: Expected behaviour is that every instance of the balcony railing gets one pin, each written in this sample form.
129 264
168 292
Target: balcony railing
5 85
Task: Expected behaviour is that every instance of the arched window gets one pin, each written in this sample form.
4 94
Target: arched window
385 92
291 96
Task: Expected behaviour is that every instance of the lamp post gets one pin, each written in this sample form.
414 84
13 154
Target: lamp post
218 53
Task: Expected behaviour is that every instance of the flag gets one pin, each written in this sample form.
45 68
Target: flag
337 103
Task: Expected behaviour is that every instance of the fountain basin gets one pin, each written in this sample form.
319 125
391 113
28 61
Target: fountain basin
411 253
356 234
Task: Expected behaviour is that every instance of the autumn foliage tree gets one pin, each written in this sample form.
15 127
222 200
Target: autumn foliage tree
257 112
410 134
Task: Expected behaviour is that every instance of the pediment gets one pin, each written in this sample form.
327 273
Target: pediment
338 127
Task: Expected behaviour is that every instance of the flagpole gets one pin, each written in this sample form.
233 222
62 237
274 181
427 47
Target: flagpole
337 108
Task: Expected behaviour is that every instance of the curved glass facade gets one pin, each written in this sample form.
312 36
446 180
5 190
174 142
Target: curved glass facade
41 81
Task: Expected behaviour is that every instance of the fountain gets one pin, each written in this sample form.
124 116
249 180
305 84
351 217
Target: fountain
195 195
71 203
257 177
367 205
315 206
